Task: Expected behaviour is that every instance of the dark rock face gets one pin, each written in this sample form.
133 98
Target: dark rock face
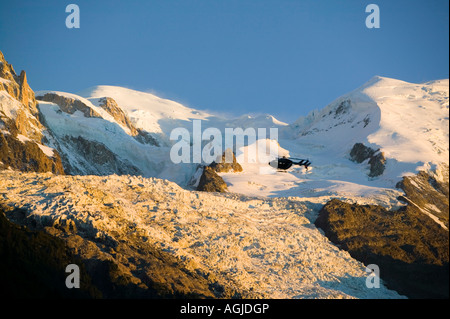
145 137
34 261
33 265
211 182
359 153
343 108
377 164
411 250
20 128
95 158
17 85
111 106
426 192
27 156
69 105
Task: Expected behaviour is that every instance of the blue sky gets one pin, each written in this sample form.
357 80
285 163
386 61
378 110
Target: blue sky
283 57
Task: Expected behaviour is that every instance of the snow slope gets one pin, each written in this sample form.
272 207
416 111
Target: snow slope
107 132
146 110
408 122
157 115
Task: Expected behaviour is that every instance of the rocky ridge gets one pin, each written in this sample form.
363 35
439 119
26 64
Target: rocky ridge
210 181
22 142
376 159
410 249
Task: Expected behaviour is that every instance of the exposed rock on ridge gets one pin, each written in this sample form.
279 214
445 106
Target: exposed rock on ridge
21 137
93 158
17 85
210 181
428 193
24 114
111 106
411 249
359 153
69 105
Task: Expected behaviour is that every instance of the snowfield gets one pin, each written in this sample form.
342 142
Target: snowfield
268 247
408 122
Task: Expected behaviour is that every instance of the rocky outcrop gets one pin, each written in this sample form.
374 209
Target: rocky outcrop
111 106
411 249
343 108
34 259
17 85
428 193
145 137
19 103
377 164
92 157
69 105
211 182
21 137
27 156
360 153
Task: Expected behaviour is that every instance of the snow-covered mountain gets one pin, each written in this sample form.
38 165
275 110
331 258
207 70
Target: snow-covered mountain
147 111
259 239
408 123
94 140
114 130
159 116
127 130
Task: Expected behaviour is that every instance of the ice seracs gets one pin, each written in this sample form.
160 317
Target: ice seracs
262 247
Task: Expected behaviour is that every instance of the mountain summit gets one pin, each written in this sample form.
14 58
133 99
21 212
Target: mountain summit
407 121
